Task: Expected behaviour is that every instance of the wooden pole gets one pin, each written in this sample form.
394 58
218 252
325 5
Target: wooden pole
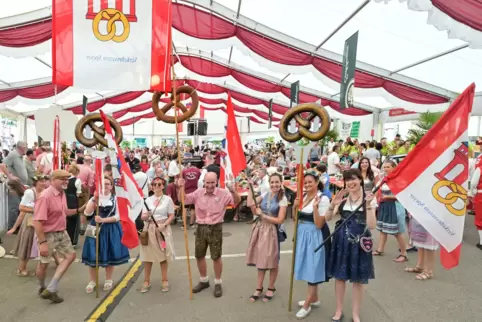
295 232
183 209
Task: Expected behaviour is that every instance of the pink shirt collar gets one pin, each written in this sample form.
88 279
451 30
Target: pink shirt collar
215 192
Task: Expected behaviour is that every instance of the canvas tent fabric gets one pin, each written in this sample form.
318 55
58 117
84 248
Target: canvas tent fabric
235 46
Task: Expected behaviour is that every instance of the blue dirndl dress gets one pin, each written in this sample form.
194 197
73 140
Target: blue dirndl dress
111 250
349 260
310 266
391 214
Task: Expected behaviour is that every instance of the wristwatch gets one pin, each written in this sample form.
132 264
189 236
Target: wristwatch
43 241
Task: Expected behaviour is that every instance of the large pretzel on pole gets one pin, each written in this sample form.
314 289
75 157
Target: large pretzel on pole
161 113
98 131
304 122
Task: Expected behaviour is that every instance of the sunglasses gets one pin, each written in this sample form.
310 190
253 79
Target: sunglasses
160 184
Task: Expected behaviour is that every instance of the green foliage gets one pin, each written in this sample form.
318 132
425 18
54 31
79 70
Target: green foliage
330 134
270 139
422 126
126 144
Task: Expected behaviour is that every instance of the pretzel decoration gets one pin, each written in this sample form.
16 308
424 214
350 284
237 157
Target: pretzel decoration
161 113
99 131
304 122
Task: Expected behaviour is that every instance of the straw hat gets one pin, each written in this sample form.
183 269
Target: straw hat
57 174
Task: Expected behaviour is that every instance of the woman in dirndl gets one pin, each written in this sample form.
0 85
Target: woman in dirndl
427 246
391 218
266 234
312 230
350 257
111 251
25 248
156 237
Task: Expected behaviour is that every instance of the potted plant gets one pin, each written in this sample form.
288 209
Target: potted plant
422 126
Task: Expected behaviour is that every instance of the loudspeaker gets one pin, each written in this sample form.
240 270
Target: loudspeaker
191 129
202 127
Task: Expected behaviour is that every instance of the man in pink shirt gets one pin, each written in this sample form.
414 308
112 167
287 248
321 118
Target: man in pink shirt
50 217
210 206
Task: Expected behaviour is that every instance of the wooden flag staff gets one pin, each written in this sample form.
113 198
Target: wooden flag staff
183 209
304 114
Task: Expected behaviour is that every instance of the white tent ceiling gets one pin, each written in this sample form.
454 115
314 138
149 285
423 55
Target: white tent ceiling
391 37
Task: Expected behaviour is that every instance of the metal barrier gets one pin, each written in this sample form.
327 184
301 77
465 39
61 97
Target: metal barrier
3 208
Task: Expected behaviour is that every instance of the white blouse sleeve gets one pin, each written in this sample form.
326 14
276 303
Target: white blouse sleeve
323 206
170 207
78 186
283 202
92 212
28 198
116 215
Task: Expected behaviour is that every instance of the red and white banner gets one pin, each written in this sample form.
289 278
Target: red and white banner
112 44
432 181
129 196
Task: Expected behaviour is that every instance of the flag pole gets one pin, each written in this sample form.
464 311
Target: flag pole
295 232
183 209
353 213
97 227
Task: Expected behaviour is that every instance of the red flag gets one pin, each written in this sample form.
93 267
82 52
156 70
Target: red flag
235 150
128 194
431 182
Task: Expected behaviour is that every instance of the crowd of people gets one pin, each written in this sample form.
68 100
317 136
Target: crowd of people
49 209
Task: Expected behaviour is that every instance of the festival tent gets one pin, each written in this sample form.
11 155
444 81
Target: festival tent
255 50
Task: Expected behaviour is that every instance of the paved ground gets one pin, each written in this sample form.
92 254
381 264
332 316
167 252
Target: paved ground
393 296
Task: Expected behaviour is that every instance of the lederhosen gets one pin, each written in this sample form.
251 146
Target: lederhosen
73 221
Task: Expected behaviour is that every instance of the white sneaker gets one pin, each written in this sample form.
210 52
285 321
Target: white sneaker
315 304
302 313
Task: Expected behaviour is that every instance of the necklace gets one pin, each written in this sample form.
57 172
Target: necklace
353 201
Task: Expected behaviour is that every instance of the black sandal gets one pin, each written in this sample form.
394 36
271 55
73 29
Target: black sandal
268 298
254 298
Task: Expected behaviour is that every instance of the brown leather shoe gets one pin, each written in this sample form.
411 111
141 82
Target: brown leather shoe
200 286
52 296
218 290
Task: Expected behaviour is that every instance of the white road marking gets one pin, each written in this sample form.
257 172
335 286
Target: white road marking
78 260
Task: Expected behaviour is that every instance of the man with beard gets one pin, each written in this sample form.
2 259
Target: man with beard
50 223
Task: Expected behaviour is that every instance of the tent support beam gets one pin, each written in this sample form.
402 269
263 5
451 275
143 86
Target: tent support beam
285 77
4 82
230 54
239 9
423 61
353 14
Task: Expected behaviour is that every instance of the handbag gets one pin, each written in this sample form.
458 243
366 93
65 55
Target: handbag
90 231
144 235
30 215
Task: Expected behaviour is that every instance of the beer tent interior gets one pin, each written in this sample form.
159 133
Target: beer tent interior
413 56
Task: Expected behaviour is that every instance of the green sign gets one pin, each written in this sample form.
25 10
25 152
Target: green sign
355 129
140 142
348 73
294 100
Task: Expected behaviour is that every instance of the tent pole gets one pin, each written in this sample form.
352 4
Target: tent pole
430 58
353 14
239 8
